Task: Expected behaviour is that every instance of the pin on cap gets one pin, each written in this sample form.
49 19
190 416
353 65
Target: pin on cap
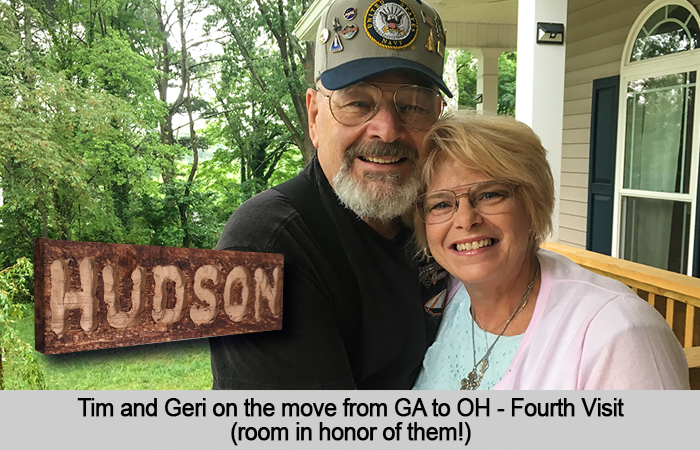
336 46
387 35
349 31
323 35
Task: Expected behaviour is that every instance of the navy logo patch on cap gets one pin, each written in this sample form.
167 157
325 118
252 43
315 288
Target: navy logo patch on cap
391 24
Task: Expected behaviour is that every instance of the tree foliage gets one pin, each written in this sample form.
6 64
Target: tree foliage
68 138
466 76
507 63
150 121
19 368
260 43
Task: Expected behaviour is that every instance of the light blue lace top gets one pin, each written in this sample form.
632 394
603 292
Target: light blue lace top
451 358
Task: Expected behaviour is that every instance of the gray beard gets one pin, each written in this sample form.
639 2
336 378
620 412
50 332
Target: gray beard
378 195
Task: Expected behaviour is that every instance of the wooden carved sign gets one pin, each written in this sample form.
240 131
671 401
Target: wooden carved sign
90 295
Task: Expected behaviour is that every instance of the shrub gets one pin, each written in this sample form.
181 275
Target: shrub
17 358
18 282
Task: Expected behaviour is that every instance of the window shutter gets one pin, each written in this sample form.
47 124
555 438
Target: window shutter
601 170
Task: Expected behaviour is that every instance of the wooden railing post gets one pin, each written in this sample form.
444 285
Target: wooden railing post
689 325
669 312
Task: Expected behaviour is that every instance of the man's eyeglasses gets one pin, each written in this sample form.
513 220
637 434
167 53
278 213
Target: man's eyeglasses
418 107
488 197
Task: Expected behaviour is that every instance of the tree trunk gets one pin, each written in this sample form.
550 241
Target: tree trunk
166 124
193 136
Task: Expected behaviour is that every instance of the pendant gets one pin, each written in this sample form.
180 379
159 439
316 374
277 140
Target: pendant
472 382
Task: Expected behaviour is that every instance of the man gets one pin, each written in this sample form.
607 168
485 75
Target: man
357 307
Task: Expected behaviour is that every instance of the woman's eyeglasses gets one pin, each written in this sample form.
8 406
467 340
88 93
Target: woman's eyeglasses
487 197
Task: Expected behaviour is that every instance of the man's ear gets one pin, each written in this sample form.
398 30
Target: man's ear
312 109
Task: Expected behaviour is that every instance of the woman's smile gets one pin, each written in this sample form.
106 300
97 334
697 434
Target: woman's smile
471 246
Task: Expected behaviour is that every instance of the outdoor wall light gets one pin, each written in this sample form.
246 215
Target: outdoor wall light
550 33
479 98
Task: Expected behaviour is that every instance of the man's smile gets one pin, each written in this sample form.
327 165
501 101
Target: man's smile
381 160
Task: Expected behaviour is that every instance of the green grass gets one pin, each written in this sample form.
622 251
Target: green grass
172 365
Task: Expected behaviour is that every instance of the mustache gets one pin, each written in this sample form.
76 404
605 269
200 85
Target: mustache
387 149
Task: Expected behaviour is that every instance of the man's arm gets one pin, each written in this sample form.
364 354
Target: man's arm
308 353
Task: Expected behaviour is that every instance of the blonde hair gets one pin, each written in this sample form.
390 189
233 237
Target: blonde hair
501 148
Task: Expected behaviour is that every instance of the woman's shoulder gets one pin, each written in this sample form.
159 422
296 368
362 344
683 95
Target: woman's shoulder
562 272
572 289
578 294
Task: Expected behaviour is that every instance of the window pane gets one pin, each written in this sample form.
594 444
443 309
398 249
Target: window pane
678 12
659 133
694 32
669 30
656 233
658 16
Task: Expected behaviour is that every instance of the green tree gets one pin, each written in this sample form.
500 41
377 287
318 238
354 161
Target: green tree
58 140
88 95
507 65
170 48
248 129
263 44
110 175
466 77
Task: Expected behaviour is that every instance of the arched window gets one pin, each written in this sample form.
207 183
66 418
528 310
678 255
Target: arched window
656 183
670 29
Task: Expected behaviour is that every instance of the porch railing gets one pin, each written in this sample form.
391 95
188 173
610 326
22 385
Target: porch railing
675 296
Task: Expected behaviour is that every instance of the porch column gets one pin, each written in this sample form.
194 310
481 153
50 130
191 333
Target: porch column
449 74
539 98
487 78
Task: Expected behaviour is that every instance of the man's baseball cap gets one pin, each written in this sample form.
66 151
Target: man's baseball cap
357 39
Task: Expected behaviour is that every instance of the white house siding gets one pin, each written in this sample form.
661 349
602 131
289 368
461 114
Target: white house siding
596 34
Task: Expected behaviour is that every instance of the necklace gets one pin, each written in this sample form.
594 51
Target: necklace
473 380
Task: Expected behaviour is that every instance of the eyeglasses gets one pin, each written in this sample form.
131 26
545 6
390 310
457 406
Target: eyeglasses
418 107
487 197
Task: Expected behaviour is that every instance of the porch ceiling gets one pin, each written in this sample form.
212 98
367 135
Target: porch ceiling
469 23
501 12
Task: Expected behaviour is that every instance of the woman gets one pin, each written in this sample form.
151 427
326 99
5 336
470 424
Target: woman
522 317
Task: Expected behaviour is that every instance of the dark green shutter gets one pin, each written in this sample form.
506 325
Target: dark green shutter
601 170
